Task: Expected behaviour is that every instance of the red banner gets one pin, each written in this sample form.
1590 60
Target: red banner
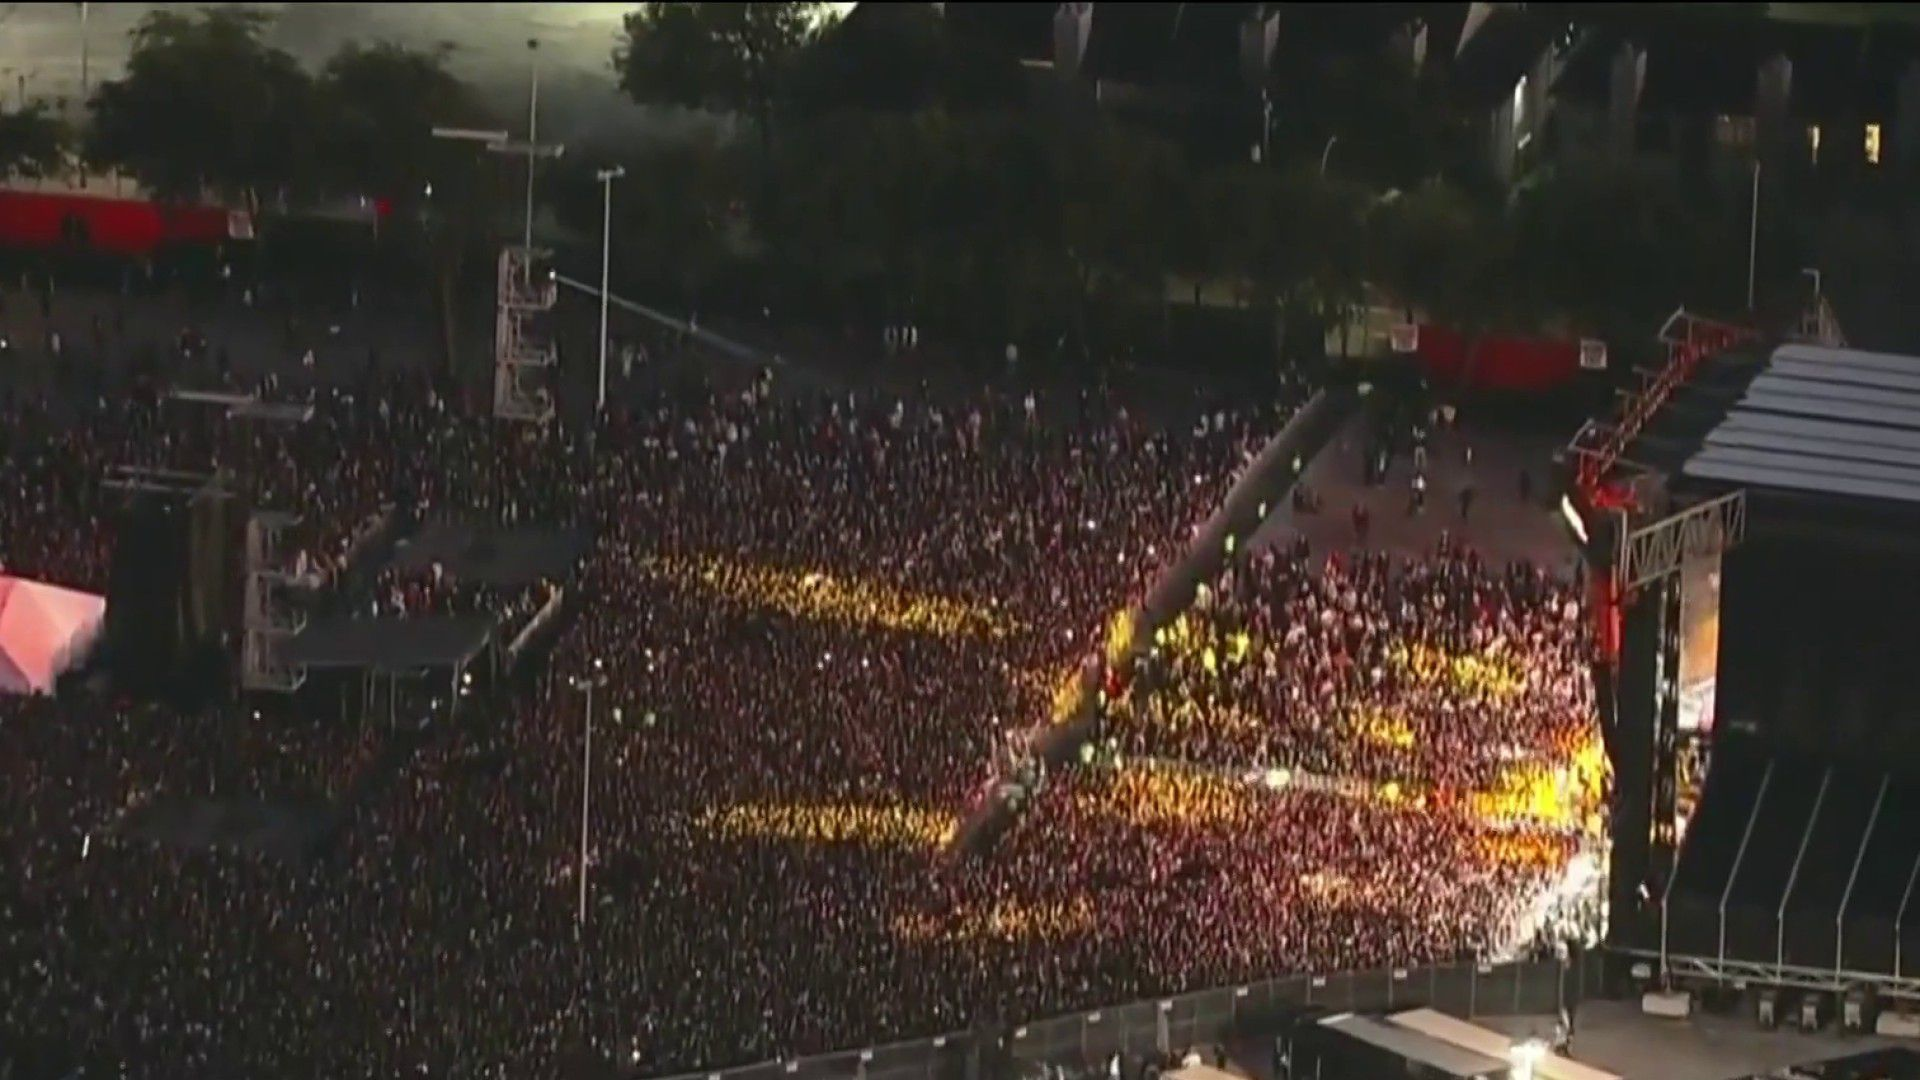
1496 362
37 221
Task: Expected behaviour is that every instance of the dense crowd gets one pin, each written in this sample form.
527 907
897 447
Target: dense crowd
811 623
1439 670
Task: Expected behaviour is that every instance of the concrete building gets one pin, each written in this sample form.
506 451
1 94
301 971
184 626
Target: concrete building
1835 88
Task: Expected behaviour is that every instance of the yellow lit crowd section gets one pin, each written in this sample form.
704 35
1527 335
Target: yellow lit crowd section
1147 796
1565 796
1381 727
869 824
1488 675
1002 920
822 597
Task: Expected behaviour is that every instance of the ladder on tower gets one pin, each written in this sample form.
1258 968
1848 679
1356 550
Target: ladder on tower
270 619
523 351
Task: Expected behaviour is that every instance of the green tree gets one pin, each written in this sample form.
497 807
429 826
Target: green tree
1115 190
206 105
378 107
1436 249
375 112
718 57
900 58
676 215
33 142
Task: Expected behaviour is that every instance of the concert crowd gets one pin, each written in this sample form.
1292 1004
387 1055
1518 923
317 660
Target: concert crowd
808 623
1440 670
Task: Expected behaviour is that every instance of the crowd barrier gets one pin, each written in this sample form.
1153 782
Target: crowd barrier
542 620
1258 490
1162 1025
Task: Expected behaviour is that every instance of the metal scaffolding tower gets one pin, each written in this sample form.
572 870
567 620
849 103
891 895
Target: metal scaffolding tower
270 619
523 352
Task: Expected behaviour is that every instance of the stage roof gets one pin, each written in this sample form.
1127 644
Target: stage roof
1481 1040
390 644
1822 420
507 557
44 630
1442 1057
1816 436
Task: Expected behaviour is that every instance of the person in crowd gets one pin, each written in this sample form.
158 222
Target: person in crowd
814 622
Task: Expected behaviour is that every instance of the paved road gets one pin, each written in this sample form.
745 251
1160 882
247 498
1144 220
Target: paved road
1501 526
1615 1036
113 329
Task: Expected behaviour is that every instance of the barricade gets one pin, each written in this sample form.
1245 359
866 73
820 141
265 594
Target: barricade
1162 1025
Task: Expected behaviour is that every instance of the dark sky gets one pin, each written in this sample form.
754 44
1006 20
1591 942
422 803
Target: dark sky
42 42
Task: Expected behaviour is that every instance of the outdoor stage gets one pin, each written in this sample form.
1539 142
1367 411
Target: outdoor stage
1767 720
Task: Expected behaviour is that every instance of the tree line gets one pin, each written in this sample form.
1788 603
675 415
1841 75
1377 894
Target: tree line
899 171
886 170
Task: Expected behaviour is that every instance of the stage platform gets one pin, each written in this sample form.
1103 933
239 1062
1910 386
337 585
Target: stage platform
1617 1037
389 644
1797 866
489 556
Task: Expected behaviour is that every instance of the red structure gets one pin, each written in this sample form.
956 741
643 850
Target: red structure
1597 448
1495 362
1596 451
134 227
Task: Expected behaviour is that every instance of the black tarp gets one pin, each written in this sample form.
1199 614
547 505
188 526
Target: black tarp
1799 860
489 556
391 644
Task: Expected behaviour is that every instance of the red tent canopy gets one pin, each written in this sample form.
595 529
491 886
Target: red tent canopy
44 629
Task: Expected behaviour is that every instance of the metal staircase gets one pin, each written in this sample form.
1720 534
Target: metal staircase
523 350
269 619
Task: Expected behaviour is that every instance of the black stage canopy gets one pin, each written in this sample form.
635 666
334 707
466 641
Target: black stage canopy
1826 442
391 644
489 556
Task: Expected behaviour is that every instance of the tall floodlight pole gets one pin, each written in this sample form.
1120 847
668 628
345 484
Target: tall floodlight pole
533 127
606 177
1753 234
586 781
83 53
586 801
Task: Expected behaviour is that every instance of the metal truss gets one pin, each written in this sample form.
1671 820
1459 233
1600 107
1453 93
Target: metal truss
523 352
1689 339
1663 547
270 620
1741 973
1820 326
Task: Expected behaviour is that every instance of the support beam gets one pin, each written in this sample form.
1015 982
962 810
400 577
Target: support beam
1853 876
1906 120
1626 81
1072 28
1662 548
1696 969
1259 35
1774 126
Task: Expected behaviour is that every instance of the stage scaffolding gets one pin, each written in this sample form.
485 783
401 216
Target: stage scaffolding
524 356
270 619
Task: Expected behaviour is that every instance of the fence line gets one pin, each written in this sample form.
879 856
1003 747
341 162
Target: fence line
1161 1025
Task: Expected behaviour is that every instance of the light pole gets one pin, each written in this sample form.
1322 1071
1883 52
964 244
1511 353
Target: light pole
83 54
1326 153
1266 126
533 127
606 178
1753 233
598 679
497 142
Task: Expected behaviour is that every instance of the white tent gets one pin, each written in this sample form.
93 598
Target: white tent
44 630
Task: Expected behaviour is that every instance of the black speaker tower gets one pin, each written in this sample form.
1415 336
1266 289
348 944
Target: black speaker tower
172 596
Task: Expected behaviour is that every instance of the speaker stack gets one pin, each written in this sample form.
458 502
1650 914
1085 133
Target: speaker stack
171 595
